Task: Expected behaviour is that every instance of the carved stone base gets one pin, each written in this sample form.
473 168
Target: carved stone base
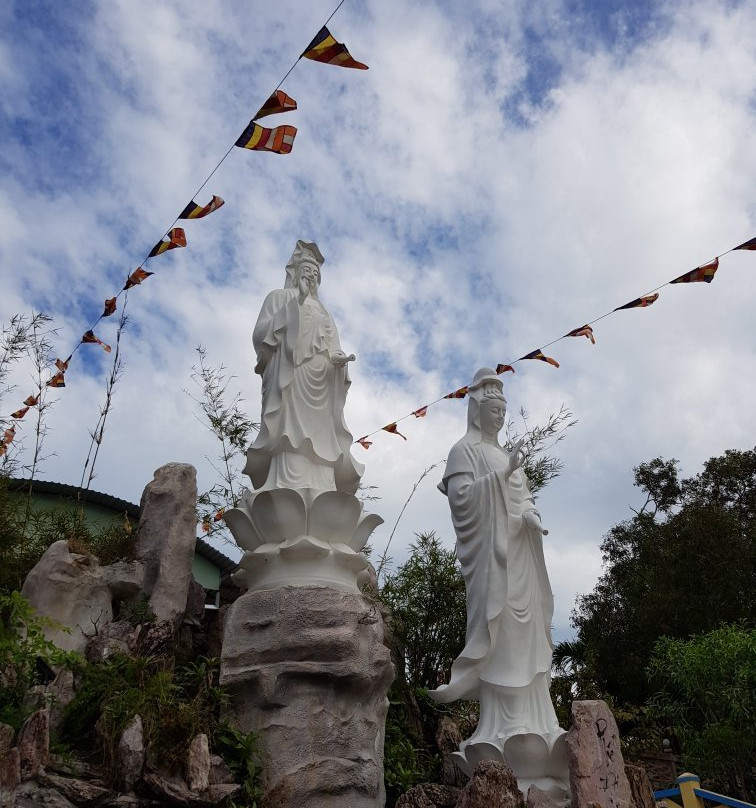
307 669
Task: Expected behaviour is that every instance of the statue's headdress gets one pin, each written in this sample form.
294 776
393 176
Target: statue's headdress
302 251
485 384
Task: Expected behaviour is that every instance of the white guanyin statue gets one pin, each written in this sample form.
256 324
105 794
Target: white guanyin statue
506 661
302 524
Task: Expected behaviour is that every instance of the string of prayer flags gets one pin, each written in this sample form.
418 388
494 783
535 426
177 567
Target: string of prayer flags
747 245
19 414
503 369
176 238
194 211
110 307
539 354
279 140
393 430
90 338
136 277
703 273
365 443
422 412
461 393
640 302
583 331
324 48
278 102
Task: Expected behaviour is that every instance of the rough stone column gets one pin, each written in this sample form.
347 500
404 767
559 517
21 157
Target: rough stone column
308 670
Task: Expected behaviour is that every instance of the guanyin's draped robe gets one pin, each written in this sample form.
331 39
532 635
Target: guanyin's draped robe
303 439
506 661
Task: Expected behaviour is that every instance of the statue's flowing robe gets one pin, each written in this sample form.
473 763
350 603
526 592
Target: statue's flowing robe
509 600
303 397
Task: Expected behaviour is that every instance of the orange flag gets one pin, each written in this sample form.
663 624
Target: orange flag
31 401
9 434
747 245
583 331
640 302
110 307
703 273
365 443
538 354
18 414
422 412
136 277
194 211
176 238
504 369
58 380
61 365
89 337
278 102
461 393
393 430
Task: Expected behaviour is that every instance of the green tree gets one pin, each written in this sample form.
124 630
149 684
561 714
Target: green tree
427 600
683 565
707 694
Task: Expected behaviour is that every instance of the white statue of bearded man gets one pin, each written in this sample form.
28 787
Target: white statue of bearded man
506 661
303 440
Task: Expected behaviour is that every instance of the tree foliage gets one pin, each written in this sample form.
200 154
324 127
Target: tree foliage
683 565
427 600
707 695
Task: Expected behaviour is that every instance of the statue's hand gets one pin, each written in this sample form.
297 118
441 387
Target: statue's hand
516 456
533 520
338 359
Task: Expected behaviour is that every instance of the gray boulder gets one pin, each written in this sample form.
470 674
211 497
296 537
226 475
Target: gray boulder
71 589
492 785
34 743
166 538
307 668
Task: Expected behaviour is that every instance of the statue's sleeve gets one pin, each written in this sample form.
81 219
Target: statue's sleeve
272 325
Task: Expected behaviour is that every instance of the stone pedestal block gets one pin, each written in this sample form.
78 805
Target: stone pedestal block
308 670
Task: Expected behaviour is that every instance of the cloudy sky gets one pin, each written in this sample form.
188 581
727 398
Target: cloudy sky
503 173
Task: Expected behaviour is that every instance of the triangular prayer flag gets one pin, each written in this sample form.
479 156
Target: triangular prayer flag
218 516
90 337
583 331
703 273
461 393
61 365
206 526
176 238
278 102
279 140
640 302
324 48
365 443
9 434
31 401
422 412
538 354
110 307
18 414
504 369
747 245
136 277
194 211
393 430
57 380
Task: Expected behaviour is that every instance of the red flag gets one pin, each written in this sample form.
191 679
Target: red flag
89 337
461 393
136 277
747 245
278 102
279 140
583 331
422 412
538 354
9 434
31 401
640 302
206 526
365 443
194 211
703 273
393 430
324 48
176 238
58 380
61 365
110 307
218 516
18 414
504 369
